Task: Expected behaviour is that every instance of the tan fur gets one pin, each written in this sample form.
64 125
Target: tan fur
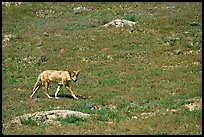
63 78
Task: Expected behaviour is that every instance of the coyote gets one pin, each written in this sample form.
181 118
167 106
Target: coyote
63 78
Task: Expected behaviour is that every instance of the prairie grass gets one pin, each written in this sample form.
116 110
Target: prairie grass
131 80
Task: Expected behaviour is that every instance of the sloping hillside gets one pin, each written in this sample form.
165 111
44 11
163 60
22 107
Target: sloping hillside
139 79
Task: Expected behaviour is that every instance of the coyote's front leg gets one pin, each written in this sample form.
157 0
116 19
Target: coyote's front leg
57 91
67 87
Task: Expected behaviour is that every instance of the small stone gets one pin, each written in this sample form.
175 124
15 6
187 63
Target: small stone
171 8
19 47
178 52
46 34
79 9
193 23
39 43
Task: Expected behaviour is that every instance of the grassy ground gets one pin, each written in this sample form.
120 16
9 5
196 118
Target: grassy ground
132 79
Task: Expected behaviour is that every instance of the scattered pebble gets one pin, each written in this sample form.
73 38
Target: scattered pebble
19 47
46 34
40 43
10 3
79 9
171 8
178 52
194 23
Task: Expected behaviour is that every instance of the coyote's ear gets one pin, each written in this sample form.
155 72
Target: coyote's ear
77 72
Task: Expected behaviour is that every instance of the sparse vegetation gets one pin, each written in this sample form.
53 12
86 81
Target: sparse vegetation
141 79
71 119
29 121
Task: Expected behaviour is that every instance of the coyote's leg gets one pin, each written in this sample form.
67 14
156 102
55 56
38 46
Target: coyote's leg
57 91
46 89
35 90
36 87
67 87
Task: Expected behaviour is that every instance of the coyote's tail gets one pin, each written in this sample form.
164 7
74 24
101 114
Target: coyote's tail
37 86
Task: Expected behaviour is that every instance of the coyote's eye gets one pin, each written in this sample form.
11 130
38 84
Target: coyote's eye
74 79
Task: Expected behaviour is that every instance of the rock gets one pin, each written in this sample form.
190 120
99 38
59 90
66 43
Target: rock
19 47
178 52
79 9
39 43
49 116
10 3
196 104
46 34
171 8
193 23
7 38
171 39
120 23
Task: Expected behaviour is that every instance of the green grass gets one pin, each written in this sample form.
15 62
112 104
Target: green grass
71 119
129 78
29 121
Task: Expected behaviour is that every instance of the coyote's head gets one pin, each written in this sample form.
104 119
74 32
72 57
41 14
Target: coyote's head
74 75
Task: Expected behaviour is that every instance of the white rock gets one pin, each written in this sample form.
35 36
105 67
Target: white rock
120 23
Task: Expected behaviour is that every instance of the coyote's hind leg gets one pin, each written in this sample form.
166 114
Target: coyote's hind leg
46 90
